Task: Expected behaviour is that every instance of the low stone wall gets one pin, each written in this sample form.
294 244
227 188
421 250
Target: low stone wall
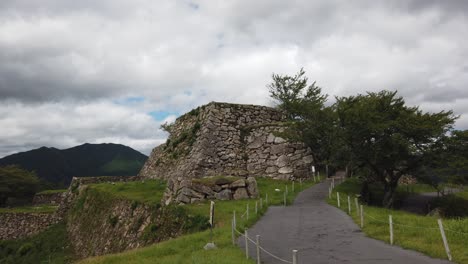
48 198
102 179
20 225
187 191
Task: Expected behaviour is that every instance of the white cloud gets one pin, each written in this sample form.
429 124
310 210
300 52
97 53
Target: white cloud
64 64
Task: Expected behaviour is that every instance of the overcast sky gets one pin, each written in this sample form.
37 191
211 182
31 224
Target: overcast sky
113 70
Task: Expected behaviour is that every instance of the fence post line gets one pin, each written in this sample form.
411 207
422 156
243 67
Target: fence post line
256 207
390 222
258 248
286 189
357 205
314 178
266 199
247 212
232 232
333 183
246 244
338 199
362 216
330 192
294 260
444 238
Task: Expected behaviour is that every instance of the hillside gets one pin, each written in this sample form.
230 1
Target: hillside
59 166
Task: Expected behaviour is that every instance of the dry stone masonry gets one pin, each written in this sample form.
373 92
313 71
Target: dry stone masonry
228 139
185 191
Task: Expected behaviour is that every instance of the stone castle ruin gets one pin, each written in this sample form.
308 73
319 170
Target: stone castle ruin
221 139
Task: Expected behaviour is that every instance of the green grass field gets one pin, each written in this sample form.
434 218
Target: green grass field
50 246
189 248
149 191
411 231
30 209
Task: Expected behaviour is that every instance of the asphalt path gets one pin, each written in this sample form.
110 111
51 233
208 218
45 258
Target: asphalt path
322 234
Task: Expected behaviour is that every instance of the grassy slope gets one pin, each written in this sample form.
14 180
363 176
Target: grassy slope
189 248
411 231
30 209
149 191
50 246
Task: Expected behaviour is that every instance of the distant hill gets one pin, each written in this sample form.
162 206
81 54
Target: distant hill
59 166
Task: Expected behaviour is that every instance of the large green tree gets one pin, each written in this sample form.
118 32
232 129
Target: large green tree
387 138
311 121
17 183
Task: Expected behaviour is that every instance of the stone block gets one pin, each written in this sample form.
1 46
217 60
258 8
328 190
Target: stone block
237 184
241 193
225 194
252 187
285 170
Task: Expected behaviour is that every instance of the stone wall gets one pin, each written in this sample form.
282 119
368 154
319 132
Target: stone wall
228 139
48 198
186 191
20 225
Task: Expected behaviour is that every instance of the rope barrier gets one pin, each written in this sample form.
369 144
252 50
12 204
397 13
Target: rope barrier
264 250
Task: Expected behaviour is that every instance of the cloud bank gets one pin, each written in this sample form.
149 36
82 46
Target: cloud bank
112 71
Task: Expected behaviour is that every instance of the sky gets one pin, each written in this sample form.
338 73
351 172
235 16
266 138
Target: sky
112 71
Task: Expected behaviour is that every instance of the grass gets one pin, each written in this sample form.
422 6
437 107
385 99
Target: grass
189 248
411 231
30 209
148 191
50 246
52 191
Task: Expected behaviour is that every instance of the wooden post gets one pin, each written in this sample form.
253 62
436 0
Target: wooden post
329 192
318 175
314 177
293 186
286 189
284 198
246 244
258 248
233 235
390 222
266 199
234 218
333 183
256 207
261 203
247 212
362 216
294 256
300 183
349 205
444 239
357 205
338 199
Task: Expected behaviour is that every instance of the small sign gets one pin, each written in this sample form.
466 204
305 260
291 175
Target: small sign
212 208
313 168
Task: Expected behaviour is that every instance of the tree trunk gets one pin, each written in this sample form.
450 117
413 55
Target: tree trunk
389 194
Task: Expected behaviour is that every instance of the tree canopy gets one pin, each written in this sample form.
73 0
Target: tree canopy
16 182
375 132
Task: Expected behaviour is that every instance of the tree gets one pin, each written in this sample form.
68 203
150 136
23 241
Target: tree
447 161
16 182
388 138
310 121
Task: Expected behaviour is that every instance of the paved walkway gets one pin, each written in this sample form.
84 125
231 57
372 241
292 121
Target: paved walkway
322 234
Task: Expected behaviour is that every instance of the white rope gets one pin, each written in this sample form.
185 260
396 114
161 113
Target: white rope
255 243
278 258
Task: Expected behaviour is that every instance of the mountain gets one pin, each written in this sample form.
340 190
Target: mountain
59 166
